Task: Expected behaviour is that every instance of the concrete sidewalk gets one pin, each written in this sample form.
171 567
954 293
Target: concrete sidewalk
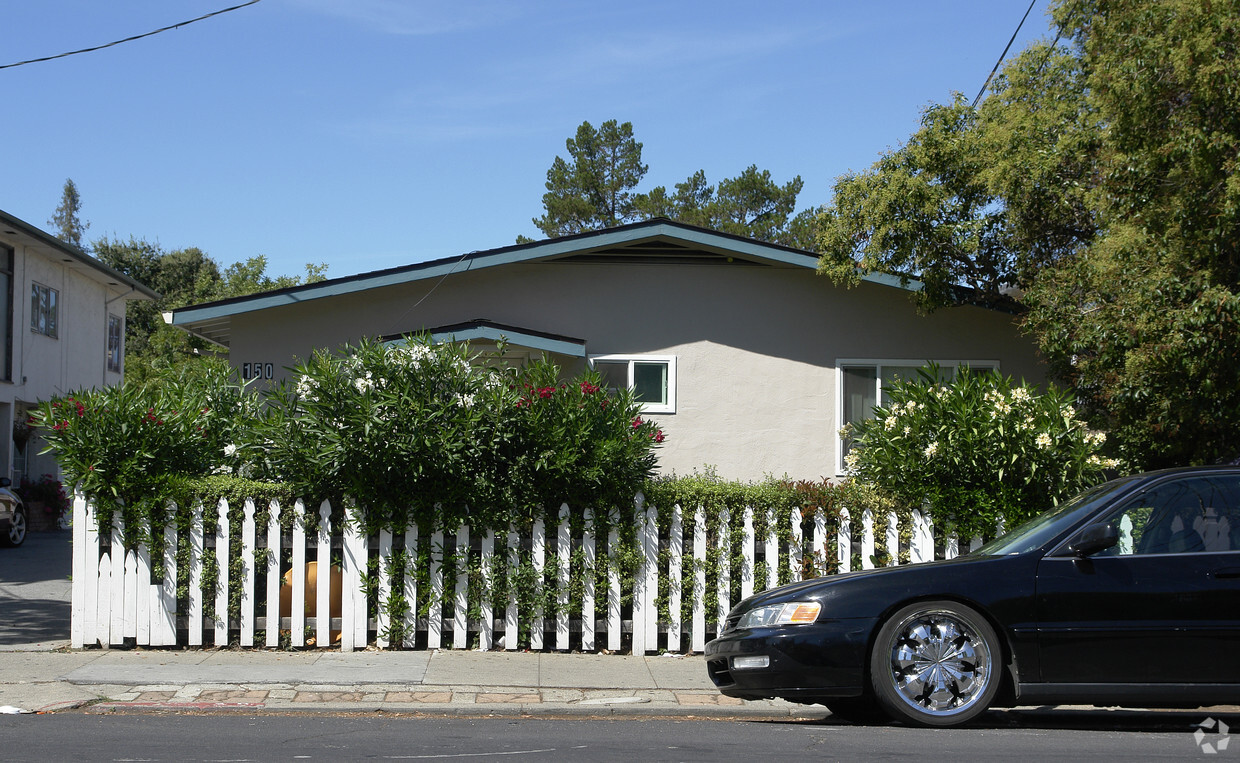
439 682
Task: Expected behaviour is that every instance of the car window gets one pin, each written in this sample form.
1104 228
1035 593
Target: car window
1193 515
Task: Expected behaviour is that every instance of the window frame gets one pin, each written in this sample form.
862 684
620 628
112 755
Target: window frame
49 309
632 360
841 364
115 353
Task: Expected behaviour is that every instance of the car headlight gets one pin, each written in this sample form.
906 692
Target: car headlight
792 613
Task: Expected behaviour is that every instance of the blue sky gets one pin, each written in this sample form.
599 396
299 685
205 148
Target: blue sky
368 134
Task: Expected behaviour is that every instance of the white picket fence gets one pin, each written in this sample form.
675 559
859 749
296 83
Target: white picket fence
115 598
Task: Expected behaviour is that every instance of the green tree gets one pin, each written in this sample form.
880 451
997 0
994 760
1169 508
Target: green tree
181 277
1100 180
593 189
67 222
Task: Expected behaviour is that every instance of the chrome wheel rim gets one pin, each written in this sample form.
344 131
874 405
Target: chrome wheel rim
17 528
939 664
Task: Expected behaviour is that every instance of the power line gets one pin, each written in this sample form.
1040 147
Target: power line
127 39
1002 55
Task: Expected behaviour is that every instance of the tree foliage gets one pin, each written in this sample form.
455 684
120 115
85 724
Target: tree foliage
596 188
1099 179
66 221
181 277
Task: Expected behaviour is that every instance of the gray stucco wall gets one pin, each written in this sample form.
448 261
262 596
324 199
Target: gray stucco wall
756 347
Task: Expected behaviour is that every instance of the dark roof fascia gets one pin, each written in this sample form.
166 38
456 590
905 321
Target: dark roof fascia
47 239
482 329
538 250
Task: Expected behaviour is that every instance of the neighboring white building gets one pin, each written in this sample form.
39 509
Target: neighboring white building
747 358
62 319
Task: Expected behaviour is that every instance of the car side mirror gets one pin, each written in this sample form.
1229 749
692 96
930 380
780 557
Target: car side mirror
1095 538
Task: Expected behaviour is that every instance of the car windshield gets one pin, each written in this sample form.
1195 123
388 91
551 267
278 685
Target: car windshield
1048 525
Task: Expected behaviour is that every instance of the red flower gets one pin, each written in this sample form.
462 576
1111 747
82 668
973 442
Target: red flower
658 435
637 422
546 392
588 389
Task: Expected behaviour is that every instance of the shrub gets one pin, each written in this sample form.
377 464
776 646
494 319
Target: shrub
977 450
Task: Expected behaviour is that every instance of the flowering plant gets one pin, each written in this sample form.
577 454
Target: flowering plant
977 449
48 491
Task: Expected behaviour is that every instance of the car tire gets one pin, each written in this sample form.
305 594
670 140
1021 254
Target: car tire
17 529
936 663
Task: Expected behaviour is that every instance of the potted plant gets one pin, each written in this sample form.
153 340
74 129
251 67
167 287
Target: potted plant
46 502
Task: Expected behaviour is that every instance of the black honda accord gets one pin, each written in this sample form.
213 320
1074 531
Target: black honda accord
1127 595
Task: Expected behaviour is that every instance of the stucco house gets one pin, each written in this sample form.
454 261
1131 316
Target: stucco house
749 361
62 314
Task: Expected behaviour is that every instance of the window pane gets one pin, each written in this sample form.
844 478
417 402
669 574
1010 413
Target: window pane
615 373
650 382
860 389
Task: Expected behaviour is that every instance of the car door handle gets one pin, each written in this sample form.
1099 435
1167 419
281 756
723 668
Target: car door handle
1226 574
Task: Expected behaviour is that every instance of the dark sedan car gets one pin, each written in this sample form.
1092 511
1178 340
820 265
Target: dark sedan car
1127 595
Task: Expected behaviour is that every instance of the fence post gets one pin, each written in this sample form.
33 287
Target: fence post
893 539
770 552
77 614
639 584
103 617
675 577
91 575
698 637
143 598
167 592
796 555
820 540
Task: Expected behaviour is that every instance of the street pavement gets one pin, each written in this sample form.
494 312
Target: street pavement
39 673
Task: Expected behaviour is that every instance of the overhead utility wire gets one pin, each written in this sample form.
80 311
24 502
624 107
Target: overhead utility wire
127 39
1002 55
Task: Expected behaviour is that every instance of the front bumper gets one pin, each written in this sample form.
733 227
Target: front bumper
807 663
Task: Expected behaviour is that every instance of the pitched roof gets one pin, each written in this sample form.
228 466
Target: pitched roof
20 231
651 240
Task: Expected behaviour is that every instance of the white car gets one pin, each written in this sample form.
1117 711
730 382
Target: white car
12 516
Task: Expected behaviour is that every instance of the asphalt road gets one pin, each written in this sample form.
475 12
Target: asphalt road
89 737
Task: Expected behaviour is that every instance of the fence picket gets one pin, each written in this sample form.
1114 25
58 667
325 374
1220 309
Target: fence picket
166 593
220 615
510 612
613 590
382 624
90 573
770 552
116 628
747 553
651 589
131 595
538 616
562 578
273 575
723 592
144 598
486 637
411 586
867 539
249 538
893 539
323 578
697 641
587 581
460 621
675 578
103 617
194 613
843 542
78 586
434 615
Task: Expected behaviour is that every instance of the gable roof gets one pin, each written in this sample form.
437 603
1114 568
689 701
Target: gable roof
658 240
19 231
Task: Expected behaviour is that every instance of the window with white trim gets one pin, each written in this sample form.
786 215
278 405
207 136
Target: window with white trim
863 384
43 306
116 328
651 377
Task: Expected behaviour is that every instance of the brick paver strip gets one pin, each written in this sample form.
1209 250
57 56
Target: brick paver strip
215 695
419 696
